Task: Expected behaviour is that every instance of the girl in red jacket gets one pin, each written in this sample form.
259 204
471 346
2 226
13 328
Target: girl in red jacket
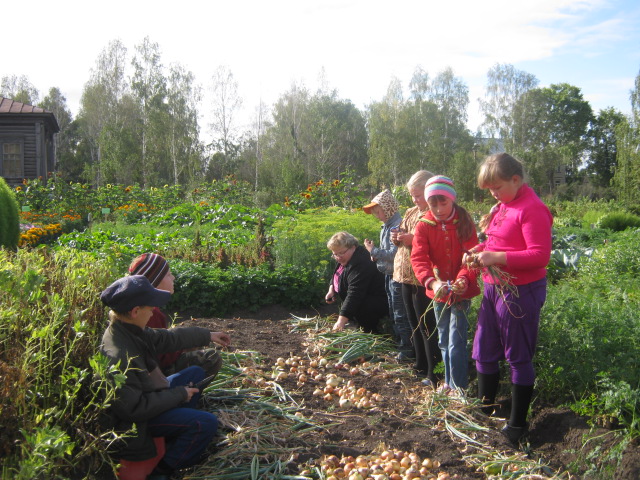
441 238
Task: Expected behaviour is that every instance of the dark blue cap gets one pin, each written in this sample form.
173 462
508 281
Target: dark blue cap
126 293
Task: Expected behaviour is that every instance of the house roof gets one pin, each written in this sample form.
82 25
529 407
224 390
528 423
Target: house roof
11 107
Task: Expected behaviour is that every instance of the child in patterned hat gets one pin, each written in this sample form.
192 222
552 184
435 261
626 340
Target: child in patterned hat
385 208
442 236
156 269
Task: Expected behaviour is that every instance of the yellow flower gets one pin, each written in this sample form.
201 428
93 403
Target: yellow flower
18 188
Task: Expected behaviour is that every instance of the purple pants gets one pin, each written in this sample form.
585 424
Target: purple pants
508 329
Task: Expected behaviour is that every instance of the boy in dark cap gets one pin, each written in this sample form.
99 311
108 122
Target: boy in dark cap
156 405
157 271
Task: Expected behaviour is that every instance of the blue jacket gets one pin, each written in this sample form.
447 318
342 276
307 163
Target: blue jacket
386 252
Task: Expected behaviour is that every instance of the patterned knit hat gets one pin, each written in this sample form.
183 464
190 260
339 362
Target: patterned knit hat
440 185
151 265
386 200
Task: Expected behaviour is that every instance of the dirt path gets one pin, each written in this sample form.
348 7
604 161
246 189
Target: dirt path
406 416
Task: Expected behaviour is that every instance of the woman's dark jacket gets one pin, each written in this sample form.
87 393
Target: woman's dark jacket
134 351
361 288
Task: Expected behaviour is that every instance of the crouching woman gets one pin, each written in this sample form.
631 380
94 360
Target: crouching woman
149 404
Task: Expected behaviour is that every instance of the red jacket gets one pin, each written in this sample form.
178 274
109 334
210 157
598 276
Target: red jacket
436 246
159 320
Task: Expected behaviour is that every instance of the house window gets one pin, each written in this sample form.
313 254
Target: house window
11 160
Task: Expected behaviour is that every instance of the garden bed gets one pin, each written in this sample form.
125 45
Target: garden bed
408 417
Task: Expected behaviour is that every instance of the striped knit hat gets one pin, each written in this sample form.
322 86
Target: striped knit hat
440 185
151 265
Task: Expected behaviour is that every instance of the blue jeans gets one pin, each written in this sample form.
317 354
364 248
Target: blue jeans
452 331
187 431
398 315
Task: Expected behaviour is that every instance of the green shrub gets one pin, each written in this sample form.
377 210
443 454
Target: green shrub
210 290
9 217
587 334
618 257
581 211
591 218
618 221
51 322
302 241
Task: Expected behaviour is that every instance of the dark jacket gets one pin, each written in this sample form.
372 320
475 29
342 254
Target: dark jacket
362 287
140 399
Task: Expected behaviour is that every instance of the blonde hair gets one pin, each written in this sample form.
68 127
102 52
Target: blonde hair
500 166
342 239
419 179
118 316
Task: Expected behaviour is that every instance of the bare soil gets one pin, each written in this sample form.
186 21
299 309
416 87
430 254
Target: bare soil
558 437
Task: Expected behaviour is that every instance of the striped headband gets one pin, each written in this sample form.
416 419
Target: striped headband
151 265
440 185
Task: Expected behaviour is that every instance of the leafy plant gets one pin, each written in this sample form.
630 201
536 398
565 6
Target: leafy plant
50 324
618 221
302 241
9 223
614 403
210 290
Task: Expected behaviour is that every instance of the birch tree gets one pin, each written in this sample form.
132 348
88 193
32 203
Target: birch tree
226 103
505 86
149 88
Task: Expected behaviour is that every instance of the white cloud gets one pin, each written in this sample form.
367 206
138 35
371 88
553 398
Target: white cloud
268 45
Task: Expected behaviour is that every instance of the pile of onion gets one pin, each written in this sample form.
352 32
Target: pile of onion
388 465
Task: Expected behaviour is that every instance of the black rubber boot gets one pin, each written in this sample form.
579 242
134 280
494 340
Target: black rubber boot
520 401
488 384
517 427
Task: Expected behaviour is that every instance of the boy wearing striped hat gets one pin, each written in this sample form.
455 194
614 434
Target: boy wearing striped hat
157 271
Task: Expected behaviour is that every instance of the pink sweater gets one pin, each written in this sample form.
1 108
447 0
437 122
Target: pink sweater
522 229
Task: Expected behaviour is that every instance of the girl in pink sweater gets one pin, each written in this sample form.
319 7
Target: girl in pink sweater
518 231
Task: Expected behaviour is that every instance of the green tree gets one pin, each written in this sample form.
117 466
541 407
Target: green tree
185 149
56 103
335 137
451 137
602 151
390 132
19 89
634 96
149 88
282 169
626 178
505 86
550 132
312 137
100 105
225 106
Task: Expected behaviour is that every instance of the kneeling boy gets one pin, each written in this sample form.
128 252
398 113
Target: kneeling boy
156 405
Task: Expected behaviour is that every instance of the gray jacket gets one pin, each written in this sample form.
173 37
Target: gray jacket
142 397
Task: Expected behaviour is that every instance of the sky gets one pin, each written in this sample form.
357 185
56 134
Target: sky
360 45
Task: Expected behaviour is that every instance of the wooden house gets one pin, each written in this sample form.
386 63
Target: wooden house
27 147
